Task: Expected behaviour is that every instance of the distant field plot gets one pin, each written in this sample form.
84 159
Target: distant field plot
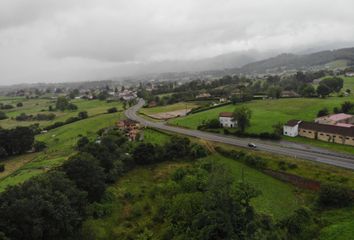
266 113
349 84
169 108
35 106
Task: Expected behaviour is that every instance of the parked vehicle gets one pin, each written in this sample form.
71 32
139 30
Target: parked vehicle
252 145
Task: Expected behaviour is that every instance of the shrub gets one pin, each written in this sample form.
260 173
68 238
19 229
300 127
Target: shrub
39 146
20 104
255 162
334 195
112 110
2 116
198 151
2 167
82 115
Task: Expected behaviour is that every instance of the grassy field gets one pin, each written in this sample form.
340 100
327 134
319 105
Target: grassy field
61 142
340 224
277 199
265 113
34 106
155 137
348 83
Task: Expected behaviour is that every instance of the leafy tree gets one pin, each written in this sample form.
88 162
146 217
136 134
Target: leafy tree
308 91
197 151
323 90
334 195
335 84
3 116
274 92
242 116
82 115
39 146
82 142
300 225
17 140
72 106
103 95
112 110
44 207
177 147
145 153
346 107
61 103
323 112
84 170
278 128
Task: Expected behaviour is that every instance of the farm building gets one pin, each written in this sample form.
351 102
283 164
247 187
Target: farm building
329 133
340 119
130 128
291 128
226 119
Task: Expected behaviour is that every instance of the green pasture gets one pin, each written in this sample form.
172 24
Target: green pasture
35 106
61 144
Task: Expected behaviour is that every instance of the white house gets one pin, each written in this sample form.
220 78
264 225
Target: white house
226 119
291 128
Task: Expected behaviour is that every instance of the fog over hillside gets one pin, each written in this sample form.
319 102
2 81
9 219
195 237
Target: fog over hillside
54 41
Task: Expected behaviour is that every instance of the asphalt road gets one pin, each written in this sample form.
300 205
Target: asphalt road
291 149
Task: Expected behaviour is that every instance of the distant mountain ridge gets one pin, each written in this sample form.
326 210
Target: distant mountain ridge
294 61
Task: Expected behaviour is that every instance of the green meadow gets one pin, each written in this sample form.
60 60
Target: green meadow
35 106
60 144
266 113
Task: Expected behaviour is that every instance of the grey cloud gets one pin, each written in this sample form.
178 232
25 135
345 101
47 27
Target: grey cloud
51 39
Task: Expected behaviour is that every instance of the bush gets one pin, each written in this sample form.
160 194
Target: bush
2 116
334 195
2 167
198 151
82 115
20 104
112 110
6 106
71 120
255 162
39 146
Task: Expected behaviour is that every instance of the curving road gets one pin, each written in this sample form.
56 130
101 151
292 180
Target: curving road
291 149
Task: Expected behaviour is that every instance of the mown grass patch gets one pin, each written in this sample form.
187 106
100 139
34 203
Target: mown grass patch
169 108
155 137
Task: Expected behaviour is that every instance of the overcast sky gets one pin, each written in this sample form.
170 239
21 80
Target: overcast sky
71 40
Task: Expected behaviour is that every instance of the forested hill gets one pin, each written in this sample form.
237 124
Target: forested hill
293 61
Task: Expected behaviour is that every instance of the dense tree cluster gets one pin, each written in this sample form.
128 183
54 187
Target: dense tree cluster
37 117
6 106
63 104
15 141
3 116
